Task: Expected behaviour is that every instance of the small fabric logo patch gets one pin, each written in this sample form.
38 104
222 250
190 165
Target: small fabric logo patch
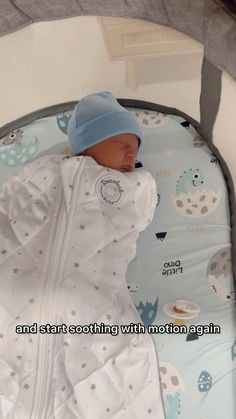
109 190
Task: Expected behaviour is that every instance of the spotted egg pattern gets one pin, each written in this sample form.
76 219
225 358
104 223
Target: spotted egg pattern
150 119
220 274
196 204
204 381
220 263
16 154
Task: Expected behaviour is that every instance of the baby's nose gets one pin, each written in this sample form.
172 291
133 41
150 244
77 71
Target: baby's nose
131 153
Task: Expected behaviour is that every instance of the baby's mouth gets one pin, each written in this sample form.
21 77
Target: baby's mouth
126 168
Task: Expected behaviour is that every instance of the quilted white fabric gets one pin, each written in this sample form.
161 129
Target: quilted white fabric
68 230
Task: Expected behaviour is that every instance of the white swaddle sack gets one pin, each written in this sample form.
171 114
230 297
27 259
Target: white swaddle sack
96 217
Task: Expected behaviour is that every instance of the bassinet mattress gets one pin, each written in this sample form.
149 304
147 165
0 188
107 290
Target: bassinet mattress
185 253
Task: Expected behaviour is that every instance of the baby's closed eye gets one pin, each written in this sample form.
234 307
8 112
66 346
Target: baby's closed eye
122 143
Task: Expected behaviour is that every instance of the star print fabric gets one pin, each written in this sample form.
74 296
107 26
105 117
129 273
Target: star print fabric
69 230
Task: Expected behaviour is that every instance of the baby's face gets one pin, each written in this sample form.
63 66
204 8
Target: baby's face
117 152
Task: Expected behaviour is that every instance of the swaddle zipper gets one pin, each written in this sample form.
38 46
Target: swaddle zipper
44 370
60 237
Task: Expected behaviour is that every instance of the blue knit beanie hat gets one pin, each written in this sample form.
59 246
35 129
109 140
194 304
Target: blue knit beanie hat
96 117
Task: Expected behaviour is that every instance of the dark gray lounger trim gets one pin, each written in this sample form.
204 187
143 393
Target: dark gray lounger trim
133 103
209 107
210 97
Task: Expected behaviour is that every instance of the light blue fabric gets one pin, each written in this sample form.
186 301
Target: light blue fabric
185 253
96 117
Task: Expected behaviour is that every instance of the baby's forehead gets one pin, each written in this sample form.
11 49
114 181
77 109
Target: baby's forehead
125 136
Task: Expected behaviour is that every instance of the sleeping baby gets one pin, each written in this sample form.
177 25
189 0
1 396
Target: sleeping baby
106 138
113 203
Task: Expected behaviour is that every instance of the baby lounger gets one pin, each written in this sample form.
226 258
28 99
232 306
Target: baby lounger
181 280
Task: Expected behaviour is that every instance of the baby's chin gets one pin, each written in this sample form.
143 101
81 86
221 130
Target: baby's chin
114 167
122 170
119 169
127 169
